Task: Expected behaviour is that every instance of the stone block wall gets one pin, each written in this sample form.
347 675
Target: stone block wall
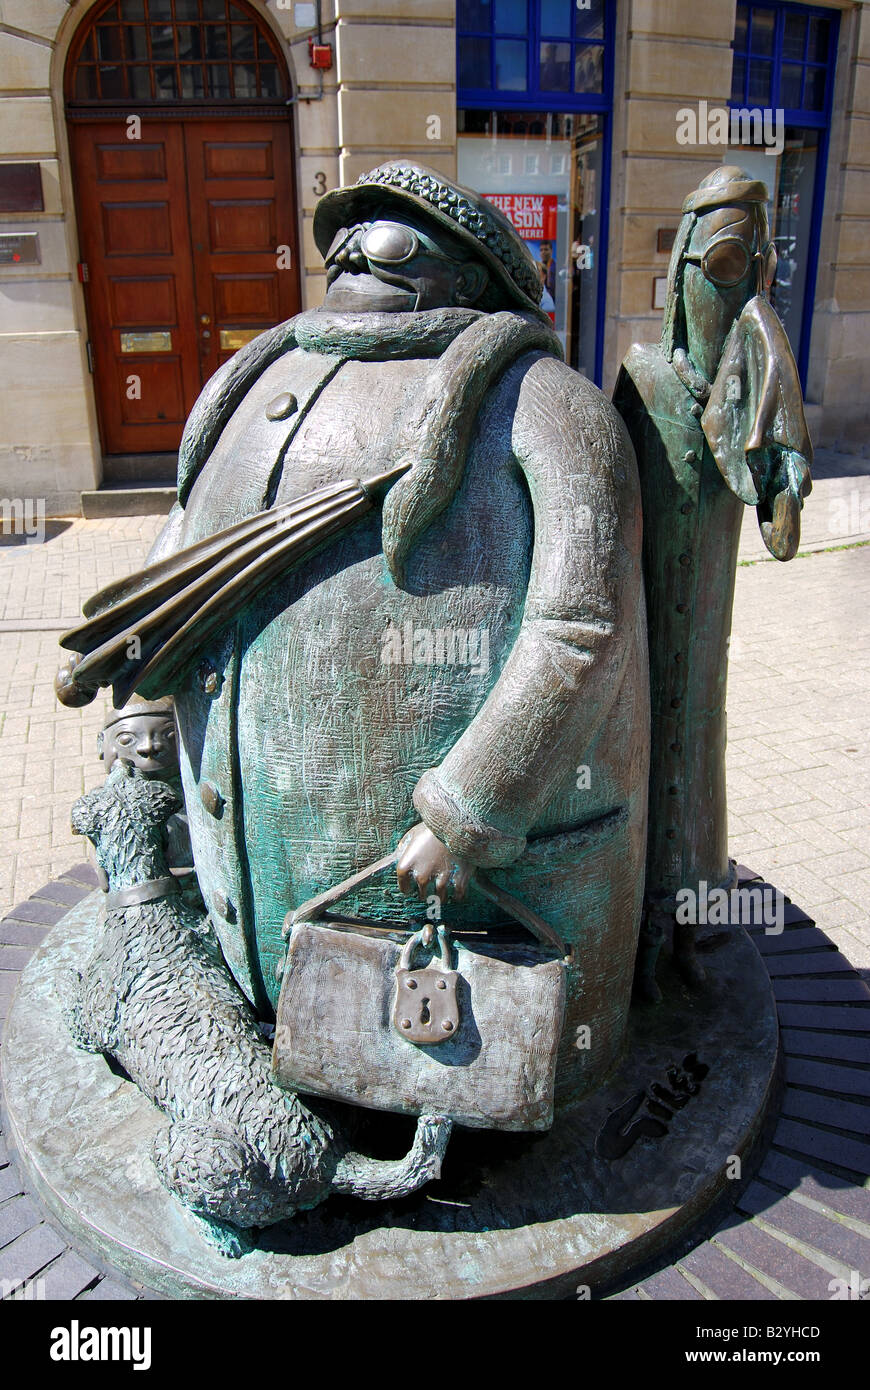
49 445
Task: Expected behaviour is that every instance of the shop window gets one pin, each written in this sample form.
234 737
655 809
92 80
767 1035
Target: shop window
784 59
540 47
546 171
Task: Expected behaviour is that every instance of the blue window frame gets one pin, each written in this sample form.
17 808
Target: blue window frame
784 58
536 53
540 56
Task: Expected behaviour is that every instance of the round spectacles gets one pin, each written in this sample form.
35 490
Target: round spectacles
727 262
385 243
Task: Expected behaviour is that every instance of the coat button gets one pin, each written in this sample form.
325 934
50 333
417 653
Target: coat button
676 702
686 508
670 834
685 559
690 456
682 607
224 907
282 406
697 410
211 799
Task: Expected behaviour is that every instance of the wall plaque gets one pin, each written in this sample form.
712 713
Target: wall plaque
19 248
21 188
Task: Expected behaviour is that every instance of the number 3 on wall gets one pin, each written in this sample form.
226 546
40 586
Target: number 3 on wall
319 183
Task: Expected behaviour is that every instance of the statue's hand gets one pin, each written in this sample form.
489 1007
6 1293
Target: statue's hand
424 861
779 512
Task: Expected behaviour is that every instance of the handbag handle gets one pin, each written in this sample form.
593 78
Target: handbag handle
315 907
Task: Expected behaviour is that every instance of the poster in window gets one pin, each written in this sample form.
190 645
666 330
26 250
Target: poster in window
534 216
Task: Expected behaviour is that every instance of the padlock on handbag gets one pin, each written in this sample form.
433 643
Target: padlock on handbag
425 1003
365 1019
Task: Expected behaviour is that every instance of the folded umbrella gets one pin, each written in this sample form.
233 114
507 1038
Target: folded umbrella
144 631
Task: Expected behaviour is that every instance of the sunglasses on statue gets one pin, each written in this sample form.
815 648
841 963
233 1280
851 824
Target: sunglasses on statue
385 243
727 262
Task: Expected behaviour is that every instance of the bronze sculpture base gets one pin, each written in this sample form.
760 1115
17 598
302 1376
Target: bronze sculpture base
619 1178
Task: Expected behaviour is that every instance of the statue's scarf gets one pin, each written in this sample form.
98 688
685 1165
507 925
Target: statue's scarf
470 351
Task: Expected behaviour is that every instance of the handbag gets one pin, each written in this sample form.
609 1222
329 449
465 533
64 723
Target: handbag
466 1028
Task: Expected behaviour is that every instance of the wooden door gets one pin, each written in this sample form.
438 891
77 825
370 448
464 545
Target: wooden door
180 232
240 219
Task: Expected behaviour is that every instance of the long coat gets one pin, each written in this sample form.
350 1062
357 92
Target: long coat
691 534
308 748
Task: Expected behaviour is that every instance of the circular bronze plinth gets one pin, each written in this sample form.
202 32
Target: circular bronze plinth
617 1180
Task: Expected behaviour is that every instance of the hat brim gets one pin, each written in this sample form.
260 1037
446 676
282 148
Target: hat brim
347 206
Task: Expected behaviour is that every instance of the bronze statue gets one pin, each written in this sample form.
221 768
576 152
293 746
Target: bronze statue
716 418
413 458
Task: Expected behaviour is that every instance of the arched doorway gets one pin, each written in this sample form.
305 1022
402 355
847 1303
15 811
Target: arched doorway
182 159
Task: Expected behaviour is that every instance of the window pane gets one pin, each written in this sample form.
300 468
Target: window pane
555 67
165 84
589 67
162 41
216 40
109 42
136 42
189 41
790 86
219 80
86 84
243 40
589 24
474 63
270 81
510 16
794 36
186 9
140 82
556 18
820 37
112 82
759 83
761 33
132 10
740 29
814 89
192 84
111 15
473 15
159 9
510 65
245 80
738 79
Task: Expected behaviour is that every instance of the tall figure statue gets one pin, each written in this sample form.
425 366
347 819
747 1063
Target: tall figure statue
716 417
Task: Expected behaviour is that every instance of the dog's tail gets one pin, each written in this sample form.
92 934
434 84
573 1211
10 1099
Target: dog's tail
377 1180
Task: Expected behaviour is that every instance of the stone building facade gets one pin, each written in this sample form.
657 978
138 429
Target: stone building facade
394 87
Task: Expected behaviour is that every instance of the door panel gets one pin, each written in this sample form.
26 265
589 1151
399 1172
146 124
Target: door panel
135 239
241 212
181 234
